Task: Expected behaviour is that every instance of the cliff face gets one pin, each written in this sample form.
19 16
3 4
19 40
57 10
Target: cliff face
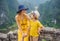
8 10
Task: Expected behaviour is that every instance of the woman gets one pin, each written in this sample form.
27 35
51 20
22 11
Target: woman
22 20
36 27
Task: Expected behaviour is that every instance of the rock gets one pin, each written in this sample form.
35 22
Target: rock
2 35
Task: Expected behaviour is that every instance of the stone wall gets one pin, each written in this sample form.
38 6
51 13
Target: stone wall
48 34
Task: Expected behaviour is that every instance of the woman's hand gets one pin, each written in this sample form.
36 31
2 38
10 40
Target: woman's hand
38 31
24 34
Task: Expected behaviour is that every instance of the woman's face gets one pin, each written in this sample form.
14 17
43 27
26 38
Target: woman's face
23 11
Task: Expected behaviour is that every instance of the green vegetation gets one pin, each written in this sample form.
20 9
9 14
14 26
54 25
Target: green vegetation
50 13
43 39
13 27
9 9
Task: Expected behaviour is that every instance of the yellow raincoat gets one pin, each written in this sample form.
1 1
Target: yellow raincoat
24 25
34 28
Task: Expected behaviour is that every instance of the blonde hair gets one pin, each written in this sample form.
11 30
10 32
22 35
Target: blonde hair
37 13
34 13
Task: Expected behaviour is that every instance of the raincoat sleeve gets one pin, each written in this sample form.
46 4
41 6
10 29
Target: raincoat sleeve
40 26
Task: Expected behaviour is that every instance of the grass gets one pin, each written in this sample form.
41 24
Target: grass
43 39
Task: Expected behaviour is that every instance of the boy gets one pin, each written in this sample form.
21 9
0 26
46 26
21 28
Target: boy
36 27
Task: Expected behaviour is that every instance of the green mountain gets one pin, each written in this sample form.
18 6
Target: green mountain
8 9
49 10
50 13
32 3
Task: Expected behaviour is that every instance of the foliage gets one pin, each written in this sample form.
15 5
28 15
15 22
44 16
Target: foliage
50 13
9 9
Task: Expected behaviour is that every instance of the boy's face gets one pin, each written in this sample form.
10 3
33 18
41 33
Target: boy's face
35 16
